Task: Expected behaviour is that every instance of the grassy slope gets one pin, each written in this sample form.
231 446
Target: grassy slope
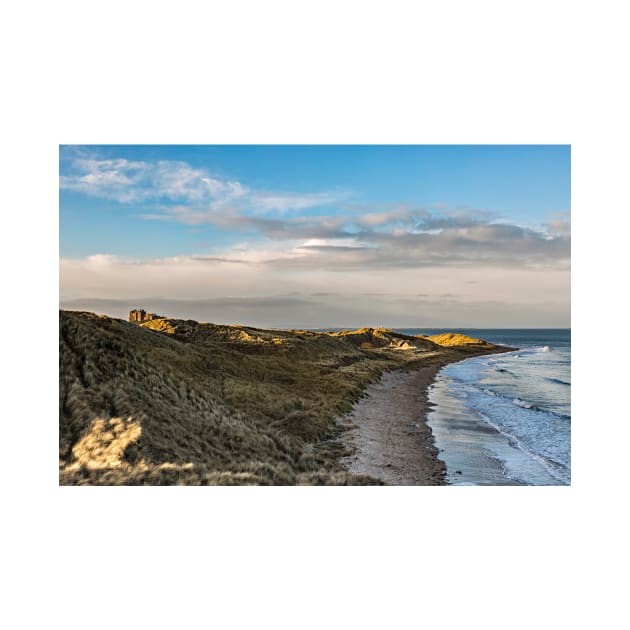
173 401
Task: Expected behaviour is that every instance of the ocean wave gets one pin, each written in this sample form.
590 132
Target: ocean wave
549 464
530 409
519 402
559 381
489 392
532 350
505 371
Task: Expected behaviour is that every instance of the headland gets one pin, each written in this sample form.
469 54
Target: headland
168 401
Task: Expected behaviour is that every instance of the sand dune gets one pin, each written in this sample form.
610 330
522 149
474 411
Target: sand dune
179 402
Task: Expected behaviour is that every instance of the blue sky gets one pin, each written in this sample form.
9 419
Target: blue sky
316 224
524 184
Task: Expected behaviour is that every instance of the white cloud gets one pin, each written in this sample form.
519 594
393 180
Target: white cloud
560 225
172 181
372 219
265 201
423 240
101 260
329 242
251 286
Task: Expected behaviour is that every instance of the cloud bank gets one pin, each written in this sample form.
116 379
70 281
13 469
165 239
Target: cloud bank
316 259
280 295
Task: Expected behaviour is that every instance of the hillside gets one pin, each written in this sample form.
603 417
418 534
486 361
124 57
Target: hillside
449 340
179 402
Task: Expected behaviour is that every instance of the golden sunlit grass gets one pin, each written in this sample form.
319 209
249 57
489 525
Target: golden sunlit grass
178 402
457 339
104 445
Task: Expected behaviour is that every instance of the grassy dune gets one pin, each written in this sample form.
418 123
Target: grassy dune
179 402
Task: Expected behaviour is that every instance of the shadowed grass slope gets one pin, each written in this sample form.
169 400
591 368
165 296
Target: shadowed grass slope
179 402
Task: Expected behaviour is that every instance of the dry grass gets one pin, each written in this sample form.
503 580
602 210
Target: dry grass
463 342
178 402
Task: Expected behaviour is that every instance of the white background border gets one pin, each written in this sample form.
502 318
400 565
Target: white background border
325 72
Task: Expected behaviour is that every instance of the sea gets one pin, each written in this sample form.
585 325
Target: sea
505 419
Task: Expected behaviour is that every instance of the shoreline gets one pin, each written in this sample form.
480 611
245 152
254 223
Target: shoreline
480 439
400 451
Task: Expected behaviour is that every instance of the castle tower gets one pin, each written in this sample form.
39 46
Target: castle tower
137 315
140 315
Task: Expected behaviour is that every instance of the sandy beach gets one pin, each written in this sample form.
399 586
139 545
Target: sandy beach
389 434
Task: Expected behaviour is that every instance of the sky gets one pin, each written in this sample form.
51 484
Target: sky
319 236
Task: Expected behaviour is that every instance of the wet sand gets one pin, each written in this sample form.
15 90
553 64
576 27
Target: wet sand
389 434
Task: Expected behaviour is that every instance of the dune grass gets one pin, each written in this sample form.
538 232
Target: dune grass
179 402
458 340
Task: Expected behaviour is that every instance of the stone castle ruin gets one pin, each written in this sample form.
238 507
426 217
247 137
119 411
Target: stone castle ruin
140 315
